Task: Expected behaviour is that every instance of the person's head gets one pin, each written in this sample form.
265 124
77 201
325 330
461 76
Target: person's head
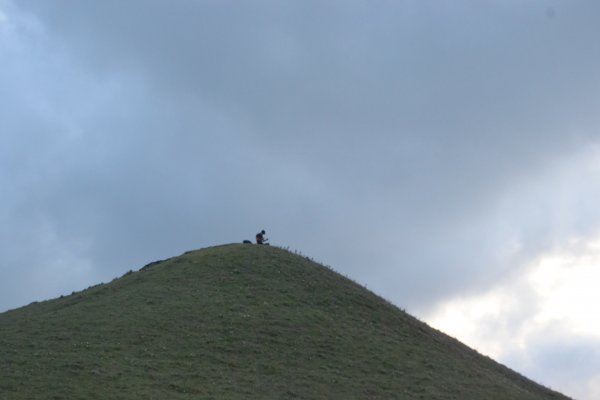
263 232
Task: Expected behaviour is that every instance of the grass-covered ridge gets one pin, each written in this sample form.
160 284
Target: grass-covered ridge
238 322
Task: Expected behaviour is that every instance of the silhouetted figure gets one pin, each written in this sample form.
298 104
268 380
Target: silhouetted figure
260 237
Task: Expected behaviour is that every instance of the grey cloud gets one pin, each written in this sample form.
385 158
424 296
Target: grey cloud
392 130
568 361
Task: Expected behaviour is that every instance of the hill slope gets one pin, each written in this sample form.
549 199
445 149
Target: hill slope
238 322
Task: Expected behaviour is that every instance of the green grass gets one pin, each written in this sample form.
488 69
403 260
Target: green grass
239 322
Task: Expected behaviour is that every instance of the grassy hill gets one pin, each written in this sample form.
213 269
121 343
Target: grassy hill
239 322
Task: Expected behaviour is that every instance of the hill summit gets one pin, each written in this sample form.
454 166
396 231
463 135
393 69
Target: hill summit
239 322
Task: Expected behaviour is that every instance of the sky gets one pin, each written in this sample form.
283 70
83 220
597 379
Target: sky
444 154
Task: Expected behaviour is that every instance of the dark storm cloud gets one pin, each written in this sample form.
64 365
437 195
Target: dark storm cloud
381 139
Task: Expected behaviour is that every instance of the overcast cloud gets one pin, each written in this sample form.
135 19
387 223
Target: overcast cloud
430 150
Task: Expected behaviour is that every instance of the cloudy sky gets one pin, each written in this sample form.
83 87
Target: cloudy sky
445 154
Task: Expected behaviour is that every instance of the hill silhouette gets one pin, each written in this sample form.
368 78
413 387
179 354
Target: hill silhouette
239 322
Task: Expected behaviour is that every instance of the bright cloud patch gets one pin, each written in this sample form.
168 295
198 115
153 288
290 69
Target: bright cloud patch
552 306
3 17
567 284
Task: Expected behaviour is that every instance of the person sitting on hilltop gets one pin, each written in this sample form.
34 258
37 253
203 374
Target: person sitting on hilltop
260 237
